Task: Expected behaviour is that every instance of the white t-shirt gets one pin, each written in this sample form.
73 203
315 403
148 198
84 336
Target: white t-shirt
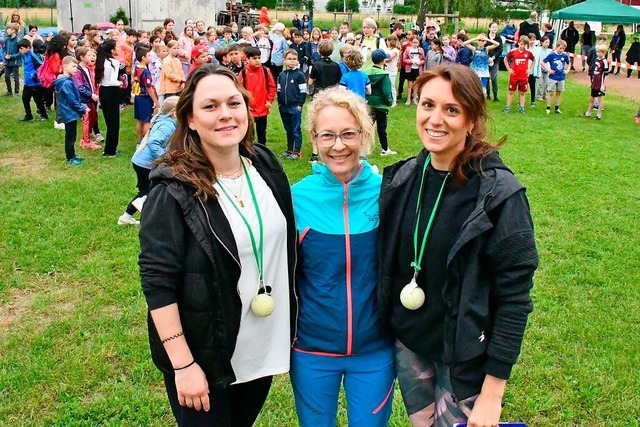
263 344
392 65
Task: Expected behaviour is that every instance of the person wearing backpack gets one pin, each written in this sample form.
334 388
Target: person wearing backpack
258 80
32 87
52 67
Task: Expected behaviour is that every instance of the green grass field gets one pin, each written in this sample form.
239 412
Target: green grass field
73 349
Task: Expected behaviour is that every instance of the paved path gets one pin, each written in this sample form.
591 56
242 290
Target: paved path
620 84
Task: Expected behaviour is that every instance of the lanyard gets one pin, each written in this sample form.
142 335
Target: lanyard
258 250
417 262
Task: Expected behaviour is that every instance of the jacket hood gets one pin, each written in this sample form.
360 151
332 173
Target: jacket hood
377 75
58 82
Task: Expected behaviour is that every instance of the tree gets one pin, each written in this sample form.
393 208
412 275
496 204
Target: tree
338 6
120 14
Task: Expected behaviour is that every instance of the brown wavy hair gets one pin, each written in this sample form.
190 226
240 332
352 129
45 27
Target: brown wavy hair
186 157
467 90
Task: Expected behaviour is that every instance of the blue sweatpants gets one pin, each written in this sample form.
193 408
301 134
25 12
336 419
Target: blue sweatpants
292 121
368 380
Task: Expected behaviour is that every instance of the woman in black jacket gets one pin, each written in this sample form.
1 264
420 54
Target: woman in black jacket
617 45
217 252
457 257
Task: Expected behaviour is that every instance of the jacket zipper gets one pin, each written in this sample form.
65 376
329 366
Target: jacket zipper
347 238
216 236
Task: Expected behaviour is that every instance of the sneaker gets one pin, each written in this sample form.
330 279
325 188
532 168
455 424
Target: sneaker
521 110
89 145
548 111
139 202
587 115
507 110
533 105
59 126
99 138
127 220
111 156
395 104
26 119
495 99
286 154
74 162
43 119
598 118
78 158
314 159
558 111
294 156
388 152
408 102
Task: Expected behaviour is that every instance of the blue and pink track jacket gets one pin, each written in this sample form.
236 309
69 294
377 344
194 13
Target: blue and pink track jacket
336 274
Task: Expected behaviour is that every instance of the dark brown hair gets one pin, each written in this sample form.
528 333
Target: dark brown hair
467 90
185 156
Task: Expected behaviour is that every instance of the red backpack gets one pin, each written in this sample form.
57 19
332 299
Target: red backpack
49 70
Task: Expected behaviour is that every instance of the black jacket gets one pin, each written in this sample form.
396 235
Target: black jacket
188 256
489 272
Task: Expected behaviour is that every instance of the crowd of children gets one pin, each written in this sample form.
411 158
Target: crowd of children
107 70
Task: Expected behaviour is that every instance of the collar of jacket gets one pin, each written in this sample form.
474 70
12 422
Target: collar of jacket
207 220
363 172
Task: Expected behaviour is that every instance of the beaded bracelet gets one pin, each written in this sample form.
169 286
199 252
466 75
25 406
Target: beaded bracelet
186 366
179 334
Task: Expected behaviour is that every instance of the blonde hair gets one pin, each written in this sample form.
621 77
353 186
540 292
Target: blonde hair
354 104
353 59
602 48
169 105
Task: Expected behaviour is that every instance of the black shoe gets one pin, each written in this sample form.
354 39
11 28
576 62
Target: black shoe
111 156
496 99
26 119
43 119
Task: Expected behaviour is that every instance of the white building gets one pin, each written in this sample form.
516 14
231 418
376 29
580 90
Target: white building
144 14
369 7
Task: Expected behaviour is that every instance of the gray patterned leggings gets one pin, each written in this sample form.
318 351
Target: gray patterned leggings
427 391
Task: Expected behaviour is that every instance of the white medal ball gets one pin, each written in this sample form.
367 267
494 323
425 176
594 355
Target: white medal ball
262 305
412 297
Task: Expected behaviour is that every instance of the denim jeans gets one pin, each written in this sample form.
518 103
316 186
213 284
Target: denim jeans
292 119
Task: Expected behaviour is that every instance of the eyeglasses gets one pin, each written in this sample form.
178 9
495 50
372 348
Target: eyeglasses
328 139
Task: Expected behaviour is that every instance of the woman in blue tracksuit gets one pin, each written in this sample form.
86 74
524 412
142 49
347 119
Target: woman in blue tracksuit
338 338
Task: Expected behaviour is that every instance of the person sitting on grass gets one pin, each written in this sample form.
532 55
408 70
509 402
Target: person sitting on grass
557 64
519 63
70 109
597 83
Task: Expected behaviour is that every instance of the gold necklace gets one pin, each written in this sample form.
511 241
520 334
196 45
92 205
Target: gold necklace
233 175
239 200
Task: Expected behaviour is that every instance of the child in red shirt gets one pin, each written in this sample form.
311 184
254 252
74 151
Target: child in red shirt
522 61
258 80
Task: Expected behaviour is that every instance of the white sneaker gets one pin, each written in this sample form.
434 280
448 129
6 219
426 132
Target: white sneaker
139 202
387 152
127 220
59 126
395 104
